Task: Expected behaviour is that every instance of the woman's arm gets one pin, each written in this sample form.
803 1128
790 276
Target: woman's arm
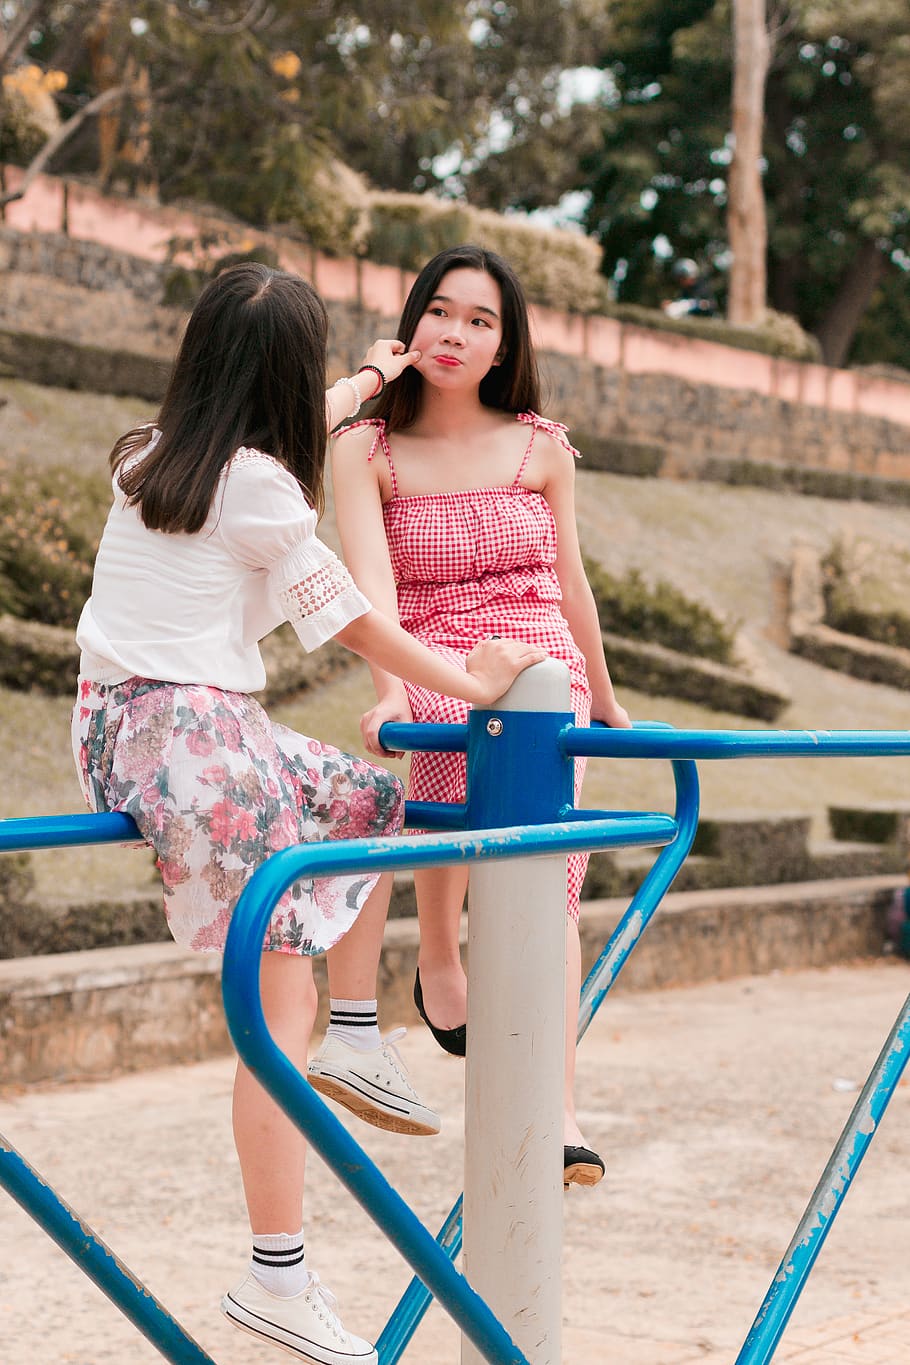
365 550
390 357
578 605
492 666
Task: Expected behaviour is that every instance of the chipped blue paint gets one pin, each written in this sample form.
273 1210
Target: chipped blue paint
829 1194
96 1260
570 831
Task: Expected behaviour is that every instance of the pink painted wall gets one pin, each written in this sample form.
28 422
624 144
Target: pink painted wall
144 229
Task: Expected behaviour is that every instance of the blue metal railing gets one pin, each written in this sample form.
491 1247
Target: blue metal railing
574 831
25 1184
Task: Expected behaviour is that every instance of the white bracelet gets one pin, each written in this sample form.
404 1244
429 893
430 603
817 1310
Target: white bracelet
355 389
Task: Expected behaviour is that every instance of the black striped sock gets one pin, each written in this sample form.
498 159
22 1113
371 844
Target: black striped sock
279 1263
355 1022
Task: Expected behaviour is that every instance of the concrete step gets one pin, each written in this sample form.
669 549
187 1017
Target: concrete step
96 1013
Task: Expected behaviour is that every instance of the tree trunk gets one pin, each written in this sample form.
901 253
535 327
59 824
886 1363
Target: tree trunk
838 327
746 222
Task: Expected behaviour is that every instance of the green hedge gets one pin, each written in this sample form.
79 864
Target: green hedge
866 587
50 523
658 614
816 483
558 268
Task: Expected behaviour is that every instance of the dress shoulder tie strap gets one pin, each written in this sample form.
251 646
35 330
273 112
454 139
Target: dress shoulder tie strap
381 440
558 430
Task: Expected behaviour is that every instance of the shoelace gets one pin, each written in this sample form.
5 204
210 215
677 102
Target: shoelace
395 1058
329 1303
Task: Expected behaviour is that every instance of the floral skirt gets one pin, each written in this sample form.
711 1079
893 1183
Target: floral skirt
215 787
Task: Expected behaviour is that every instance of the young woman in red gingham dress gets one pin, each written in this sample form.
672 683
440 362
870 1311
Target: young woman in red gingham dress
455 506
468 565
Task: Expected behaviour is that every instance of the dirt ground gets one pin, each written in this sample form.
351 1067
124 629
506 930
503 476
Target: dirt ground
715 1108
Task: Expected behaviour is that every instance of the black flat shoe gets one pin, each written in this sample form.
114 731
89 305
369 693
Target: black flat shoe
581 1166
454 1040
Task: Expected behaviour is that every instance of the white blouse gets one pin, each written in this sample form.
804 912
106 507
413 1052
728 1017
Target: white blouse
193 608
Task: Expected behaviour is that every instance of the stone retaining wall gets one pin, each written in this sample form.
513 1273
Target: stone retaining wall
700 400
75 1016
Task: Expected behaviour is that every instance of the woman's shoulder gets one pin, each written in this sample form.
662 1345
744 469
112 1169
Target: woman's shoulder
556 433
361 439
254 462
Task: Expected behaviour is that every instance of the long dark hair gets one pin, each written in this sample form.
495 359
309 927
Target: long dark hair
250 372
511 386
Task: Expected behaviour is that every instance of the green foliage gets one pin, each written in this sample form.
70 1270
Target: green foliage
659 615
558 268
837 138
193 261
50 523
867 587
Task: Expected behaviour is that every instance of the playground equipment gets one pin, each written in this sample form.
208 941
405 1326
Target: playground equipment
518 807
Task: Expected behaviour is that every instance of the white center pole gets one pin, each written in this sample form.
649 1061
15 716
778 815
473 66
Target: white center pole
513 1203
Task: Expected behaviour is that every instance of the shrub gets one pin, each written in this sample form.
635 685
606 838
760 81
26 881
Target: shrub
193 261
558 268
50 523
659 615
865 588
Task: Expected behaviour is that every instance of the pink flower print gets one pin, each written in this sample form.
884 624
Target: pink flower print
283 831
363 809
244 825
338 811
84 713
211 936
201 701
316 748
222 822
230 733
314 775
214 774
201 743
173 872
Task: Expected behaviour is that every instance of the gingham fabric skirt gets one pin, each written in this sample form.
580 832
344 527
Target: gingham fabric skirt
215 787
442 777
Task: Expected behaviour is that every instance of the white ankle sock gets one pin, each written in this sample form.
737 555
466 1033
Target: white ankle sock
278 1263
355 1022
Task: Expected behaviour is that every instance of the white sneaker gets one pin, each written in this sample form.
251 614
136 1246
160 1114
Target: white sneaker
374 1085
306 1326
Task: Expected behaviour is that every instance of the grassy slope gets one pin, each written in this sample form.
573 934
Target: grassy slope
728 547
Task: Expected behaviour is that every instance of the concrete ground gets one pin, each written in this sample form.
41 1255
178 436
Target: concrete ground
715 1107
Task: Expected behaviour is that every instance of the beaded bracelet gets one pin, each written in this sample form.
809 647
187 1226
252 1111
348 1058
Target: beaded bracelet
381 377
355 389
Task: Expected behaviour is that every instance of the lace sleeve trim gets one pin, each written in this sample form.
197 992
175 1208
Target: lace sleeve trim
312 596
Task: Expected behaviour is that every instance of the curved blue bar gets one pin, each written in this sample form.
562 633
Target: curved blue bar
97 1260
793 1271
67 831
243 1007
647 898
415 1301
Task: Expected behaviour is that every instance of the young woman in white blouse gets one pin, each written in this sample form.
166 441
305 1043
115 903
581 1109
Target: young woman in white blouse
210 544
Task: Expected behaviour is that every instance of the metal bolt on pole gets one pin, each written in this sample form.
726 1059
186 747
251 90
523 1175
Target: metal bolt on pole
513 1205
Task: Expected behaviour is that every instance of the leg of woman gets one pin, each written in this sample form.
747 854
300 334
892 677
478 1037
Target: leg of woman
368 1077
572 1135
440 895
271 1148
353 963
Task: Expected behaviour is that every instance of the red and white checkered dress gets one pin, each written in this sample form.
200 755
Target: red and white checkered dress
472 564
